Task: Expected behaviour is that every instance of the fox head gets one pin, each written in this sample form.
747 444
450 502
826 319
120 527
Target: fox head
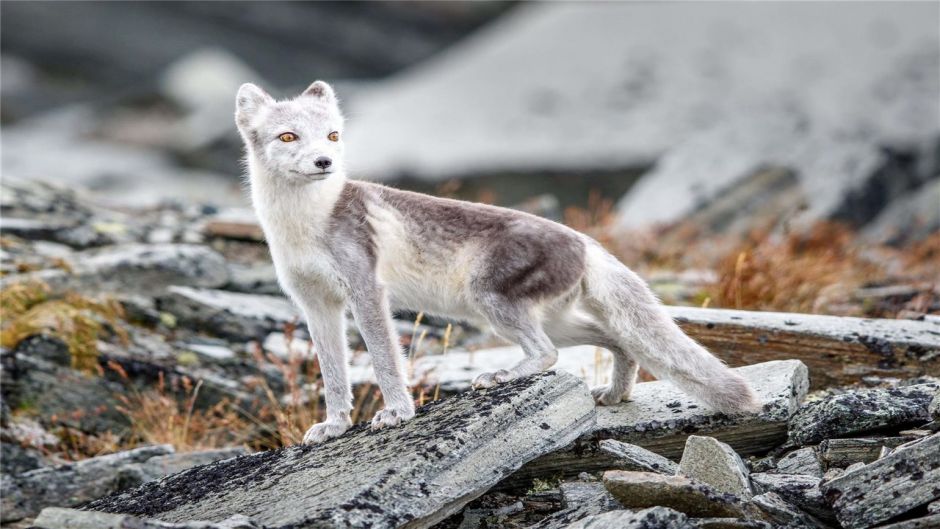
295 141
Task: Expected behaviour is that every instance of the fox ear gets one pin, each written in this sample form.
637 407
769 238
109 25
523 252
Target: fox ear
249 100
322 90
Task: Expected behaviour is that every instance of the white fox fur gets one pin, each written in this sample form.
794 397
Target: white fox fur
338 243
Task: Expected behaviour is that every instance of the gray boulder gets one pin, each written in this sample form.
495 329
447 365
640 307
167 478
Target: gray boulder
69 485
861 411
714 463
59 518
233 315
639 490
658 517
416 474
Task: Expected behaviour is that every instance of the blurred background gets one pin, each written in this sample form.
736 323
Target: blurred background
780 156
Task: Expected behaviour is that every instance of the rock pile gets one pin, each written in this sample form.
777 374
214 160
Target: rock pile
191 303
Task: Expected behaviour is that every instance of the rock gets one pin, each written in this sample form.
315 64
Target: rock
844 452
16 459
861 411
798 489
785 514
632 457
927 522
234 223
69 485
803 461
645 108
59 518
714 463
856 347
934 407
229 314
419 473
255 279
910 217
579 500
39 377
658 517
586 494
905 480
159 466
639 490
137 269
729 523
659 417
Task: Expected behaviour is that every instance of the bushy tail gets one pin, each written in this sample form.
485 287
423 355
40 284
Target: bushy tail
637 321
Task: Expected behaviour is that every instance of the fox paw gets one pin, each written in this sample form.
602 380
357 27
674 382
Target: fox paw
390 417
488 380
325 430
605 397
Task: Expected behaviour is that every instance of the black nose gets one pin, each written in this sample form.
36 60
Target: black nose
323 162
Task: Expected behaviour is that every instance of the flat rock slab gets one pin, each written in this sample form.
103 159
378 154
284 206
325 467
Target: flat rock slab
59 518
633 457
803 461
25 495
861 411
639 490
854 347
654 517
898 483
412 476
137 268
233 315
659 417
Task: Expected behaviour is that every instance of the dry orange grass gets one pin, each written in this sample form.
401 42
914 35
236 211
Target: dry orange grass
794 273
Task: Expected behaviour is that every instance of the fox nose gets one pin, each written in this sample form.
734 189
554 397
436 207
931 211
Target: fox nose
323 162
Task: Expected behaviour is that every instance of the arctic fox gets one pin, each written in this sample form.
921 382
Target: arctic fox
338 243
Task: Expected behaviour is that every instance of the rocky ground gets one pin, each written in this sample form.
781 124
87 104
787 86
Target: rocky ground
154 376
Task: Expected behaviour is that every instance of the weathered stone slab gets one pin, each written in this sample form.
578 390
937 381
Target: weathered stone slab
729 523
802 461
855 347
232 315
639 490
927 522
861 411
658 517
714 463
798 489
889 487
659 417
59 518
159 466
411 476
844 452
136 269
783 513
632 457
581 494
69 485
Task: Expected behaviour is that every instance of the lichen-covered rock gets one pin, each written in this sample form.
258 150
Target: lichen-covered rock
639 490
784 514
233 315
896 484
861 411
69 485
417 474
659 417
59 518
803 461
157 467
632 457
144 269
658 517
934 408
714 463
927 522
798 489
844 452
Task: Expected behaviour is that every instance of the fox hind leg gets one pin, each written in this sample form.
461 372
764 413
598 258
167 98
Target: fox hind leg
516 323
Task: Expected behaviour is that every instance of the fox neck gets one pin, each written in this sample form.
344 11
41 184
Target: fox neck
290 211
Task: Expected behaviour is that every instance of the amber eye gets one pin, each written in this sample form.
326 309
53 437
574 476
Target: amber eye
333 136
287 137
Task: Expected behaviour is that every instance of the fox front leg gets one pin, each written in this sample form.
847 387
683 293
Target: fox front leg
326 322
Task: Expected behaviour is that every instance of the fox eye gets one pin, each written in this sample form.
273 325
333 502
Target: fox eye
287 137
333 136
